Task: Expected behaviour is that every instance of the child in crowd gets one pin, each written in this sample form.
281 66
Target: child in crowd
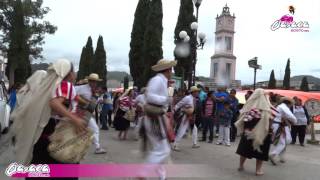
225 124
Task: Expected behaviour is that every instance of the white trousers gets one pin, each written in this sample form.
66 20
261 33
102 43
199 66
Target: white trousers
95 129
137 127
185 124
160 149
284 139
224 134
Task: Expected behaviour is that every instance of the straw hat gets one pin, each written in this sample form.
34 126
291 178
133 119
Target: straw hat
286 99
163 64
83 81
194 89
93 77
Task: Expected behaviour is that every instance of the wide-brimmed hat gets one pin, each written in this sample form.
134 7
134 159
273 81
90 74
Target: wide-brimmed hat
286 99
163 64
93 77
83 81
194 89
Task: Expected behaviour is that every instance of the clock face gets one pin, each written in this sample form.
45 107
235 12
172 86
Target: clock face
219 22
230 21
313 107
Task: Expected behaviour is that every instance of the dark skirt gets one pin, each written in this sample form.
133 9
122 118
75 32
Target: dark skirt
120 123
245 148
40 153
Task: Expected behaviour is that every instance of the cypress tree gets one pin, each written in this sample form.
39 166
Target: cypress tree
304 84
185 19
18 56
100 60
286 79
86 60
272 81
136 45
152 44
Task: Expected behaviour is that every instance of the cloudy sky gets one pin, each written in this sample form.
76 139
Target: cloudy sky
78 19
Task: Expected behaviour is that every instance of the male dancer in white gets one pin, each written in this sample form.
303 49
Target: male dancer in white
86 91
187 106
155 122
140 101
281 132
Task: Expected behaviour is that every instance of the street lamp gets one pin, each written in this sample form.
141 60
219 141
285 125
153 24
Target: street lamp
253 63
188 45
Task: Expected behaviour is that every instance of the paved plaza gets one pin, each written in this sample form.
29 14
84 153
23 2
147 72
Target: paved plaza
303 163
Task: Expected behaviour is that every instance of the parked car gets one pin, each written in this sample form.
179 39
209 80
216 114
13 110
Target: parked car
4 109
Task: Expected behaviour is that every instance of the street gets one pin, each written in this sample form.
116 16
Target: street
302 162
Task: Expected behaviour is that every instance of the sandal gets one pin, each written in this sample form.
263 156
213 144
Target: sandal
259 173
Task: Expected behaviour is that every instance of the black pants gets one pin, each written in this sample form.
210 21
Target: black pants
233 130
300 131
110 117
103 119
207 124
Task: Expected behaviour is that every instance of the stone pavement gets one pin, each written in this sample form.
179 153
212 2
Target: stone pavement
303 163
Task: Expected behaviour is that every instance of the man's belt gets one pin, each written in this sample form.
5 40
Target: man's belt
153 110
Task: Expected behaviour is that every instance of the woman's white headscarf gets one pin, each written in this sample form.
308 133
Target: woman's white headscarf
32 82
33 114
259 100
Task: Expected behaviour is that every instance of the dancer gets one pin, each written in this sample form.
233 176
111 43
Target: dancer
186 107
87 91
254 122
155 123
281 132
36 118
140 101
121 122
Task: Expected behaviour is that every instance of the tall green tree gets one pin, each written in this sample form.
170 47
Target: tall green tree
99 64
152 44
22 35
185 19
86 60
272 81
304 84
286 79
136 45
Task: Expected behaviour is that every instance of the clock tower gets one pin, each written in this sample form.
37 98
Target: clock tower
223 62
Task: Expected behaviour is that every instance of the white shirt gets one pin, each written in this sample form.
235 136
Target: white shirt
85 91
140 100
299 113
187 101
284 112
157 91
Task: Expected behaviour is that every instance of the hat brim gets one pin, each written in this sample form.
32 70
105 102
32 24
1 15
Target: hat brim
287 99
93 79
161 67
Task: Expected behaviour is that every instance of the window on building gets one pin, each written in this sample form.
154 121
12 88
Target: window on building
228 41
228 71
215 70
